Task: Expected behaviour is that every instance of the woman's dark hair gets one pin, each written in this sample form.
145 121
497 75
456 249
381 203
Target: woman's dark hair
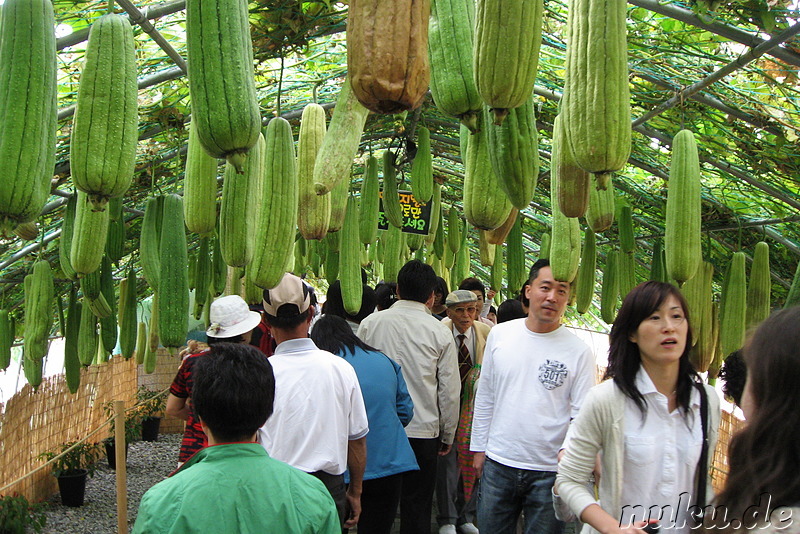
233 390
214 340
385 295
334 304
332 333
441 288
509 310
764 457
473 284
624 358
734 375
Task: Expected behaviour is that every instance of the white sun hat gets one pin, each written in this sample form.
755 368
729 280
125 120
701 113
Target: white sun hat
230 317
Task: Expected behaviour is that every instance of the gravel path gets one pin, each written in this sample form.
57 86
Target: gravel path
148 463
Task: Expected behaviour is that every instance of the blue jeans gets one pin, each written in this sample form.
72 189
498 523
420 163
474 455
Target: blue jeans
506 491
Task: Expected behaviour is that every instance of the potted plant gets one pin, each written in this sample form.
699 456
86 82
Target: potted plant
132 431
151 405
72 468
17 515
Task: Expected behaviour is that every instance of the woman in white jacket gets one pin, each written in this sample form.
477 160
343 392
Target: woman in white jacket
645 423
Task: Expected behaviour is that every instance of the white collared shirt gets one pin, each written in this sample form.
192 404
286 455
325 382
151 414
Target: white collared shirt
318 408
661 455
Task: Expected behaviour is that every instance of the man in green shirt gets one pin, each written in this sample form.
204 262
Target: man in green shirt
233 486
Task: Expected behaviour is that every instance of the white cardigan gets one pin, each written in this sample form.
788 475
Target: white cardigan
600 427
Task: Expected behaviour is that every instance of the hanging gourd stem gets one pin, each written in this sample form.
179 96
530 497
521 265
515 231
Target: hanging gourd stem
280 89
110 6
314 91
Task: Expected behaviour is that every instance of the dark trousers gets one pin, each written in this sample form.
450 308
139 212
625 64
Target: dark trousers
416 498
379 500
336 487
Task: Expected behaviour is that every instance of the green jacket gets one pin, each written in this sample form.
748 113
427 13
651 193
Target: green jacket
237 488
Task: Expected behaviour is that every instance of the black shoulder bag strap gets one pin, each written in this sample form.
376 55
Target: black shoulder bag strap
702 465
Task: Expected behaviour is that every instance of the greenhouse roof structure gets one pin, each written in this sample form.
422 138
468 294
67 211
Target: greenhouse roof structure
728 71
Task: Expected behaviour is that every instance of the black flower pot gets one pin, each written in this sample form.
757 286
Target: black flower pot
111 452
150 426
72 487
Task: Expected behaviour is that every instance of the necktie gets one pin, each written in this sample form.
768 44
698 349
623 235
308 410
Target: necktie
464 361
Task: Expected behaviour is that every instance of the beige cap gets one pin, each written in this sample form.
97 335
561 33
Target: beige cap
292 292
460 296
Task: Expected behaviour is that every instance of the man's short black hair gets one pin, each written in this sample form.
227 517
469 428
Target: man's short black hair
233 390
416 281
288 322
473 284
536 267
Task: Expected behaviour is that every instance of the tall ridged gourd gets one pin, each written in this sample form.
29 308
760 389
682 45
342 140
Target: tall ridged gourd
313 211
350 260
340 144
72 364
733 313
39 295
793 296
105 130
27 109
498 235
278 212
565 240
573 185
596 104
338 206
586 272
387 53
436 213
600 212
6 338
88 236
682 225
451 32
369 203
128 323
609 291
508 36
150 240
391 200
486 205
514 153
240 201
515 258
65 239
199 187
221 82
758 286
173 283
422 168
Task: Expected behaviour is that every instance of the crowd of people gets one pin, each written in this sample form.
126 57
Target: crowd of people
300 421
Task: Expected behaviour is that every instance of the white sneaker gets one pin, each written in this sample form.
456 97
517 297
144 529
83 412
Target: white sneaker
468 528
447 529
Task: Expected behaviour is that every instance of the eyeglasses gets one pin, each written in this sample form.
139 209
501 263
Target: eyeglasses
471 309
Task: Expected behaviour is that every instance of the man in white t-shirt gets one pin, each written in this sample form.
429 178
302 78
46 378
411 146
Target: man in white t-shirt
319 424
534 377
